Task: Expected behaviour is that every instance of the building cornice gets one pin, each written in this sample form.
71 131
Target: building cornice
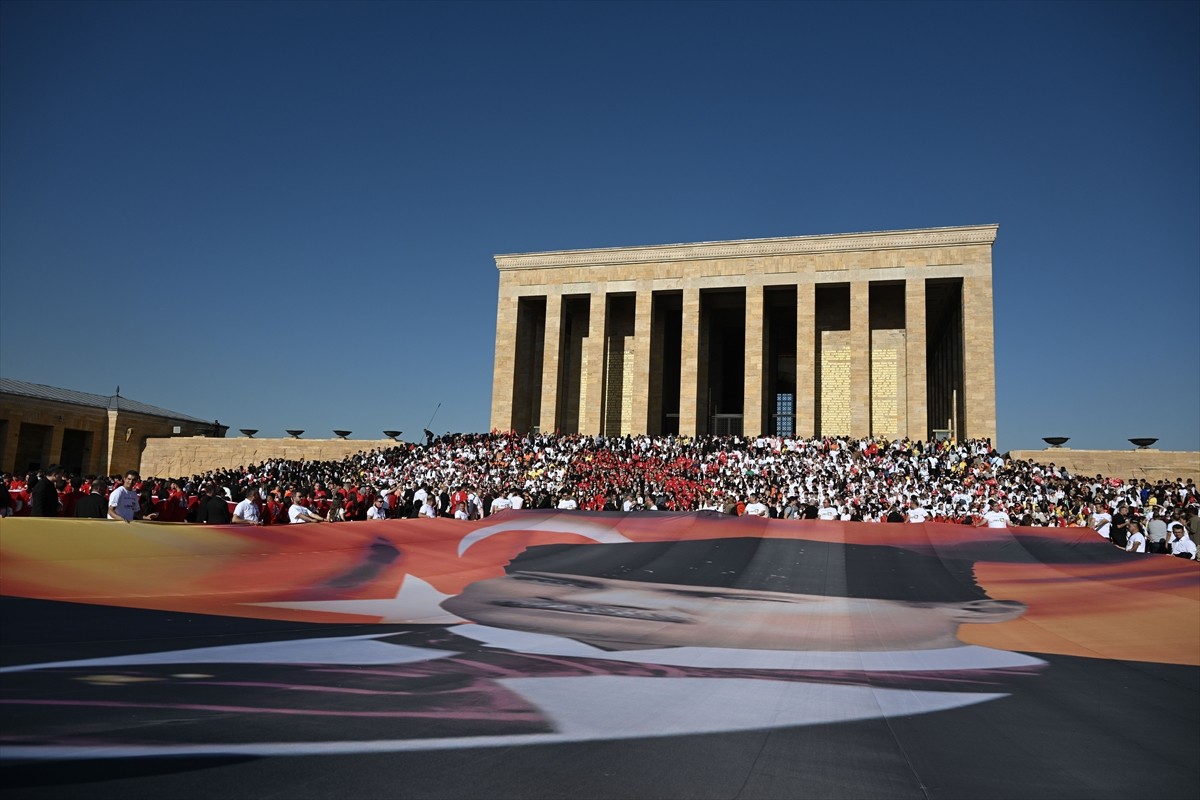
753 248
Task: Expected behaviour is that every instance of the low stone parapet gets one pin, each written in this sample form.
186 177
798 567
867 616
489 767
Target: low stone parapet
177 457
1151 464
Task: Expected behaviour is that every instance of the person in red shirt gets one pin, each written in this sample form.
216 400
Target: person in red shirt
460 497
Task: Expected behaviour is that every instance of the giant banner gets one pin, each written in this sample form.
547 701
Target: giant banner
894 660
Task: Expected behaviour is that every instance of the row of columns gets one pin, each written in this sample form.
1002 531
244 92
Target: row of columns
912 418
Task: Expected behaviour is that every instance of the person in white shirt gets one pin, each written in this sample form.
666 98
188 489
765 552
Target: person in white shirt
515 501
501 503
378 509
1100 521
1182 544
246 512
1137 540
755 508
123 502
996 517
299 512
567 503
427 509
916 512
827 511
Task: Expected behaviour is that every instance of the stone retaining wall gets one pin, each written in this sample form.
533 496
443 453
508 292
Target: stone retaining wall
182 457
1150 464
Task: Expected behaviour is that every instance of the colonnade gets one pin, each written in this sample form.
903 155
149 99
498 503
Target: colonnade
807 341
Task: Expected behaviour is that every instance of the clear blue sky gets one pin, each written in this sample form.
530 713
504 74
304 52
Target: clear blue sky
283 215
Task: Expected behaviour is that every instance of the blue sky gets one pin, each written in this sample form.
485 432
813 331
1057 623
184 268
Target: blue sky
283 215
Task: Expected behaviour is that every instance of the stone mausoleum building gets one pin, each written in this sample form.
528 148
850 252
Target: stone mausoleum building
883 334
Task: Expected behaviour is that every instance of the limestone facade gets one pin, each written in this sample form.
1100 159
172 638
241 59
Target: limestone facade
887 333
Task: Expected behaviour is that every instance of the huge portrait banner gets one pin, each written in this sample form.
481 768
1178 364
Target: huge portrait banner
534 630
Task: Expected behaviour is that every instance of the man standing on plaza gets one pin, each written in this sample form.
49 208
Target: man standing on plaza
1181 544
246 512
213 510
300 512
378 509
44 497
916 512
123 502
996 517
756 509
1119 532
94 505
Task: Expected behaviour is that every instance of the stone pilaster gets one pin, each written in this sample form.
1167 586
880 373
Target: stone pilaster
505 367
591 414
915 422
806 359
548 417
110 443
642 318
979 371
860 358
689 370
755 373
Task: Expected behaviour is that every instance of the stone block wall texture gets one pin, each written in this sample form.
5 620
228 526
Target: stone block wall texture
834 412
1151 464
888 375
183 457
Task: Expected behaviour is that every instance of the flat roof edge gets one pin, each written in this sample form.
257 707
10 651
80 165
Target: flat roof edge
746 248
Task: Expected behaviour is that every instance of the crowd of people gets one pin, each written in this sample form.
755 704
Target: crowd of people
471 476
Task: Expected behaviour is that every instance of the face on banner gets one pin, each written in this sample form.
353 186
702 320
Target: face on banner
545 628
625 615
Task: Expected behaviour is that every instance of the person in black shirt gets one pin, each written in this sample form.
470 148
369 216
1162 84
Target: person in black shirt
95 504
44 497
212 509
1118 534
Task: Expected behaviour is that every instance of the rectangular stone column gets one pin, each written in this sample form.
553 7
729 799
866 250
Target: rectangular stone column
979 371
591 414
689 362
548 417
806 360
505 364
860 358
915 420
642 316
755 371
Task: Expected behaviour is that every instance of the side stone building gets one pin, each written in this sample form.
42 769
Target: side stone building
89 434
883 334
